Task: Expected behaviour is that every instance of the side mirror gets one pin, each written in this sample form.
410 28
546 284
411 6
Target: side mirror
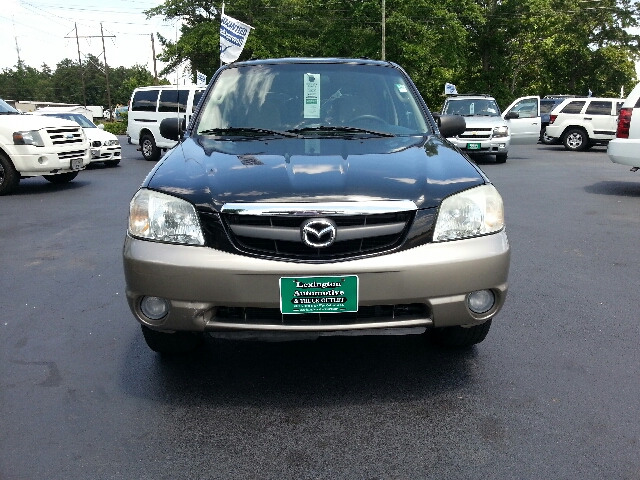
511 115
101 126
172 128
451 125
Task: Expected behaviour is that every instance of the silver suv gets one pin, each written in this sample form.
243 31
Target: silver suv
488 130
314 197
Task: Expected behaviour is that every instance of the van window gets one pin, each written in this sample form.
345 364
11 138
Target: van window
599 107
573 107
196 98
144 101
173 101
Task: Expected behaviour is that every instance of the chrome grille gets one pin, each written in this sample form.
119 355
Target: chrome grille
477 133
65 135
360 228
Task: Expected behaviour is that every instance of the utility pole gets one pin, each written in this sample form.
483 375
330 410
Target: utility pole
384 28
155 71
106 68
84 93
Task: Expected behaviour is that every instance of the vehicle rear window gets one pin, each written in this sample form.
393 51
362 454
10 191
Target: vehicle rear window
573 107
144 101
599 107
173 101
546 107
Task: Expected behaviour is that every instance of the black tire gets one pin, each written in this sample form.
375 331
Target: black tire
148 147
61 177
111 163
575 139
9 177
460 336
501 157
171 343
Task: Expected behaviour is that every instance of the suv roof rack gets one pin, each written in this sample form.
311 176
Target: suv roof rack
559 96
470 95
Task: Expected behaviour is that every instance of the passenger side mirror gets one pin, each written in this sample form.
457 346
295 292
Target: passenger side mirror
101 126
172 128
451 125
511 115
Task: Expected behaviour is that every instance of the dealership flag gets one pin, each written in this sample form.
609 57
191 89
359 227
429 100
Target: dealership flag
450 89
201 78
233 35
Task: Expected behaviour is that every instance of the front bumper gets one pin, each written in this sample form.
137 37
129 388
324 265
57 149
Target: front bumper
105 153
487 147
199 281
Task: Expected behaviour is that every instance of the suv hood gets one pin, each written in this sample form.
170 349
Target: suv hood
424 170
35 122
480 121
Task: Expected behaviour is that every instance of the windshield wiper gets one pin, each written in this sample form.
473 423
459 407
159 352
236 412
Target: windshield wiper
339 130
9 113
246 131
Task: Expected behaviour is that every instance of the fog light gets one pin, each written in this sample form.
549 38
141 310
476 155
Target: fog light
481 301
95 152
154 307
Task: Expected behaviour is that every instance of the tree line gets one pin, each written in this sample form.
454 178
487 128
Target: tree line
506 48
72 82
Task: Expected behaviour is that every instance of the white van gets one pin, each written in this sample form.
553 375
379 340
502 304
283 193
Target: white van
150 105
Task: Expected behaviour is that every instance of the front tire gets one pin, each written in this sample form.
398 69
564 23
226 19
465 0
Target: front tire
111 163
171 343
61 177
501 158
547 140
575 139
9 177
150 151
460 336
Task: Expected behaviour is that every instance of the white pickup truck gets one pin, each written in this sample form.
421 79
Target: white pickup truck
32 146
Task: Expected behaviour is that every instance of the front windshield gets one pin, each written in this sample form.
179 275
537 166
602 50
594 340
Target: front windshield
472 107
6 108
80 119
302 97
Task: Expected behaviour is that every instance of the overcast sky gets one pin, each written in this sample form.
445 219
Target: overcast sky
40 28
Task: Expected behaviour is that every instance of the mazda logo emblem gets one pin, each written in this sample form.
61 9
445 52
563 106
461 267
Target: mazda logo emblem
318 232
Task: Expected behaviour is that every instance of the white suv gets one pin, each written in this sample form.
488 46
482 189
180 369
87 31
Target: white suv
580 123
625 148
490 132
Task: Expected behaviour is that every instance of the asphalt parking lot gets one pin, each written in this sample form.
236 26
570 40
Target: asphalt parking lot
552 392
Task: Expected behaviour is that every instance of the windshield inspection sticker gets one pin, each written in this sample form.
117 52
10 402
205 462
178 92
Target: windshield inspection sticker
319 294
311 95
401 88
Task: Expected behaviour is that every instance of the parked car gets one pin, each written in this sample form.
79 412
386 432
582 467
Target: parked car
581 123
488 130
314 197
548 103
32 146
149 106
625 148
105 146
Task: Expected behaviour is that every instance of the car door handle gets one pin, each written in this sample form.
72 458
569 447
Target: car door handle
588 118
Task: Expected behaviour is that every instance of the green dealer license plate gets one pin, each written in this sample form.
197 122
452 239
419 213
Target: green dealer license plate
319 294
473 146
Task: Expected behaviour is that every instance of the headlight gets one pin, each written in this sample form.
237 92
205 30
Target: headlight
474 212
31 137
502 131
161 217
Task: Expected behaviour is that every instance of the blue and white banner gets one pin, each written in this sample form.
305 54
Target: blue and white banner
201 78
233 36
450 89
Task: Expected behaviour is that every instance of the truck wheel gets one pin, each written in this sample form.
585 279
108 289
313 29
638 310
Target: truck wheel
149 150
575 139
9 177
460 336
171 343
111 163
547 140
501 158
61 177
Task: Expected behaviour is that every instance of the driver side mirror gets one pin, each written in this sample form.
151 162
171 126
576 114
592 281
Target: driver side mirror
451 125
511 115
172 128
